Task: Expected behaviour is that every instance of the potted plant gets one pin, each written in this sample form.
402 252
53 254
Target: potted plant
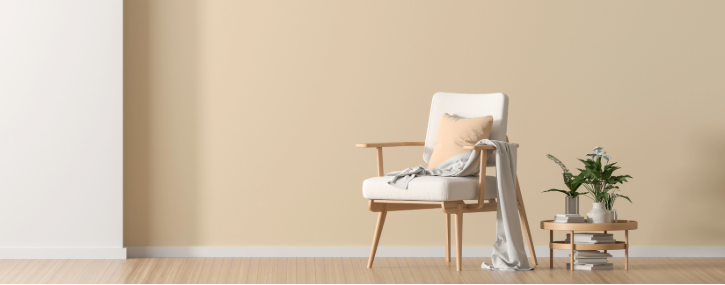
601 185
571 200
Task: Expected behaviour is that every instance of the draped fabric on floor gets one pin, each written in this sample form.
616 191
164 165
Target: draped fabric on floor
508 250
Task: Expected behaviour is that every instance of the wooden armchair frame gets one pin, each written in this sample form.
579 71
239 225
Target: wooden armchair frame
457 208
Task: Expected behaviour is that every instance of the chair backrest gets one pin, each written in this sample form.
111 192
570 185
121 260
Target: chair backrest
467 106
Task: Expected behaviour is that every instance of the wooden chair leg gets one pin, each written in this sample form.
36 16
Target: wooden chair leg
448 237
459 237
525 222
376 236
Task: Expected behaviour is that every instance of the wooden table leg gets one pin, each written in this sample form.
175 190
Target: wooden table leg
571 258
551 249
626 250
605 232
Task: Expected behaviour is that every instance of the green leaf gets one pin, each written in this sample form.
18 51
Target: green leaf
572 182
608 170
610 187
557 190
625 197
598 164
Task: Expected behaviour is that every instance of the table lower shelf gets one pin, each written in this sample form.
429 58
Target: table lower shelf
582 246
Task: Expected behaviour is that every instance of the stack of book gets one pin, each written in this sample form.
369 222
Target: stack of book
568 218
591 238
591 260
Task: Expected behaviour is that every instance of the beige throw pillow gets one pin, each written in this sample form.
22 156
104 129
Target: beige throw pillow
454 133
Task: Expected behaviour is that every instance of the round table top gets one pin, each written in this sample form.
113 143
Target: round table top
621 225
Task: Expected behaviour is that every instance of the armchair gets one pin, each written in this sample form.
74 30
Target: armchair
446 193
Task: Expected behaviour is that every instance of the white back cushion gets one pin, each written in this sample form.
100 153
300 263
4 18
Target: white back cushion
467 106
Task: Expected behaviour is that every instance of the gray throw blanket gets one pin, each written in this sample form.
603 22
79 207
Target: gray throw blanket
464 164
508 251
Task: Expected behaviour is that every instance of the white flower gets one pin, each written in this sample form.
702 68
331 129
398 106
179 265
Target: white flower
598 153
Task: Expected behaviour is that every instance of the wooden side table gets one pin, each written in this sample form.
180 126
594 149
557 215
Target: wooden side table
621 225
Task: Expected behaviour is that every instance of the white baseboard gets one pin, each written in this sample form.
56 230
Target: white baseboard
62 253
320 251
393 251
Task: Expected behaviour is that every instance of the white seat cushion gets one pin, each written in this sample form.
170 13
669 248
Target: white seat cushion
429 188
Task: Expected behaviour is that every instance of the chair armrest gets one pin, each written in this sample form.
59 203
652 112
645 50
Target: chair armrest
379 148
481 147
369 145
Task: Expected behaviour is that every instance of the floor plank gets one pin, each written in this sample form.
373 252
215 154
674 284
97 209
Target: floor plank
253 270
94 276
272 271
319 270
262 272
378 275
15 270
360 265
196 270
244 270
350 277
339 272
388 272
7 265
415 272
310 273
39 270
136 273
230 269
31 267
450 267
702 265
205 270
121 271
184 273
172 271
300 270
291 270
716 263
281 270
153 270
330 275
62 271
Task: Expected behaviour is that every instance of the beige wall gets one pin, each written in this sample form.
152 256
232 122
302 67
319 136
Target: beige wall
240 116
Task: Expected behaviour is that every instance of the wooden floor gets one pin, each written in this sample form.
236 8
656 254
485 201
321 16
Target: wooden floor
348 270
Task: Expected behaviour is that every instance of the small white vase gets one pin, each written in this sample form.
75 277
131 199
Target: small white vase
599 215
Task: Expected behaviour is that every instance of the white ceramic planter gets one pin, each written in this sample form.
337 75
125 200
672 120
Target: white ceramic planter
599 215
